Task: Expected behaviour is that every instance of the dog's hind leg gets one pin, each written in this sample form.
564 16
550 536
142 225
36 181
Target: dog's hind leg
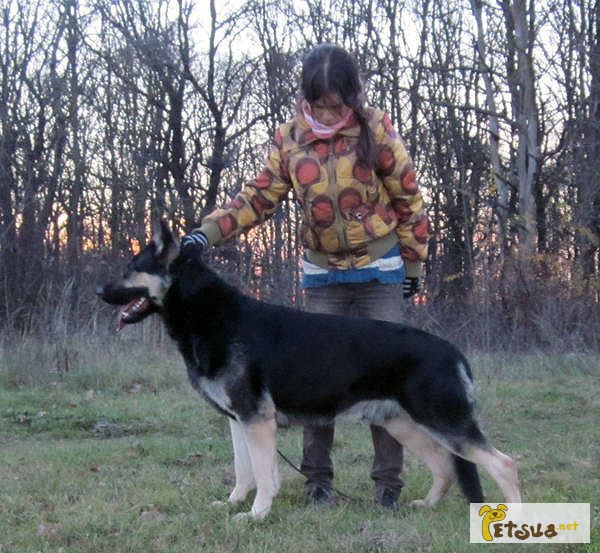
260 439
437 458
244 477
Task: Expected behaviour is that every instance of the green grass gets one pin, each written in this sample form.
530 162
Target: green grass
119 454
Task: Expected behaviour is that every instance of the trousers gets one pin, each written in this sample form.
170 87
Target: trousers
376 301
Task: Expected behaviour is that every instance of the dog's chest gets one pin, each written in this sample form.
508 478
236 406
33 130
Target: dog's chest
214 391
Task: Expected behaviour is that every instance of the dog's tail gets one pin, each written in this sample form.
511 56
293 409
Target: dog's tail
468 479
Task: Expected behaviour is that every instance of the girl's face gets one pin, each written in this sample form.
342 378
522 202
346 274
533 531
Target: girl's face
329 109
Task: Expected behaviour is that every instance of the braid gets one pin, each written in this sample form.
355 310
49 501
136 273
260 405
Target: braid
366 143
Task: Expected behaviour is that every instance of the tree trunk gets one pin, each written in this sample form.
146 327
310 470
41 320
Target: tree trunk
526 119
498 178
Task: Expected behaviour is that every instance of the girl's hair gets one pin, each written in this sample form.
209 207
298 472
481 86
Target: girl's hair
329 68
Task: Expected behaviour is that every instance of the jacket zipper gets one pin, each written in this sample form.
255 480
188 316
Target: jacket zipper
333 194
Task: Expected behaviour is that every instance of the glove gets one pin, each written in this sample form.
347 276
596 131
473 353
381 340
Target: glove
410 287
193 244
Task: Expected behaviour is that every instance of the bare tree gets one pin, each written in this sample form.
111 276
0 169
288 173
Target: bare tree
520 28
501 206
32 145
112 111
225 86
588 215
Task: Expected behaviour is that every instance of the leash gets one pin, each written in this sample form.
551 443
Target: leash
341 494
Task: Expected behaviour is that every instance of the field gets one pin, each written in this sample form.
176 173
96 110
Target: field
119 454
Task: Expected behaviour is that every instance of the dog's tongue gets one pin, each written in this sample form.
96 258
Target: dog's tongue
119 323
131 308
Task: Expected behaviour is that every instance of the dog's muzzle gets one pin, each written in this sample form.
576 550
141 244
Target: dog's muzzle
136 302
118 295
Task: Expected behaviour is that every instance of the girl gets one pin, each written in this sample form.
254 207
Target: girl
364 228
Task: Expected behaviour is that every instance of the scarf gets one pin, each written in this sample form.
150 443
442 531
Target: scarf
325 131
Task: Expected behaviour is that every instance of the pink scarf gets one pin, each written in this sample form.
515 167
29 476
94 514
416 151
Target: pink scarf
325 131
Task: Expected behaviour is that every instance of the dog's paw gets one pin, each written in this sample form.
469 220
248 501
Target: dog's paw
419 504
239 494
242 518
253 514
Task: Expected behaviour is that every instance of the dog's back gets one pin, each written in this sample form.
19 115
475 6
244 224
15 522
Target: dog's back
310 364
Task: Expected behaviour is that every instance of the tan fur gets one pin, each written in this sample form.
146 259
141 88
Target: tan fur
437 458
155 285
244 477
501 468
260 443
255 462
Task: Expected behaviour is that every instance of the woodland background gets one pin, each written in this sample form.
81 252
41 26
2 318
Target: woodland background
116 112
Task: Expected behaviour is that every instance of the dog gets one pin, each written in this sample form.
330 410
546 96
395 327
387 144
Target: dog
251 359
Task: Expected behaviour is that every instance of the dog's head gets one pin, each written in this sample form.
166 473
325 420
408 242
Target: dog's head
146 280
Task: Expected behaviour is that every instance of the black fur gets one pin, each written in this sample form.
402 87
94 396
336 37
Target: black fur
314 364
468 479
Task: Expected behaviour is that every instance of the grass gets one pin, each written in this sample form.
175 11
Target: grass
119 454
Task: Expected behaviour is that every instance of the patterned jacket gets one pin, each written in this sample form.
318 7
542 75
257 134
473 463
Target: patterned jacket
352 215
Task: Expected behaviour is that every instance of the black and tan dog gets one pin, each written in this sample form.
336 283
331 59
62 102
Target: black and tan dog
251 359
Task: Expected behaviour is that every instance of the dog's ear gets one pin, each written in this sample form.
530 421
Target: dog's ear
165 244
484 509
161 237
165 231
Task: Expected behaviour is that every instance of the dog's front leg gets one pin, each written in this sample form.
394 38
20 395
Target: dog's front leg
260 439
244 477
